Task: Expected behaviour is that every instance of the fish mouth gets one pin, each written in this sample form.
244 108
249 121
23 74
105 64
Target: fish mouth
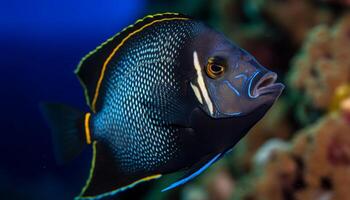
267 86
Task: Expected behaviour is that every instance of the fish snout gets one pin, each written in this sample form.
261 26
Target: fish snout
266 84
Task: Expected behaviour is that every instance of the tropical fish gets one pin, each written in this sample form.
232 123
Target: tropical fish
166 94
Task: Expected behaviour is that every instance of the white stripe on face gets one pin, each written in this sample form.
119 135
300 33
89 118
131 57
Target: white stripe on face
197 93
201 83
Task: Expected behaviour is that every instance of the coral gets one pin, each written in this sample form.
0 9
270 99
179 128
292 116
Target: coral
323 64
218 184
267 149
278 178
317 166
345 108
221 185
328 159
320 72
294 16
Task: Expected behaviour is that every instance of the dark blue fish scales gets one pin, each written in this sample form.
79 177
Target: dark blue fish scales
167 94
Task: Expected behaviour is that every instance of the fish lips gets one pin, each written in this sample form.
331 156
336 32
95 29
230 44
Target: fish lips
271 93
267 97
265 85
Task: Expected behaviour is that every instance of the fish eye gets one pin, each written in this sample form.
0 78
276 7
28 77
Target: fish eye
215 67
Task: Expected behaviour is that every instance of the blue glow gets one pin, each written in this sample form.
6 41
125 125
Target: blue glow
184 180
229 151
233 114
218 108
232 88
250 85
242 75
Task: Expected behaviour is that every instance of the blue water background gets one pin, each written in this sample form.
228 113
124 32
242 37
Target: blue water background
41 42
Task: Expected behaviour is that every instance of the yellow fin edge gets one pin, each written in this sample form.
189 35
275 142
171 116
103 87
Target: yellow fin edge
113 192
87 128
94 100
116 49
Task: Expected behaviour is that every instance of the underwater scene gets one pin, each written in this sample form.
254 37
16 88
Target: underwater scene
175 100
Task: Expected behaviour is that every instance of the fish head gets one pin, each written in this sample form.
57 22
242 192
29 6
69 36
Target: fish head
229 82
231 89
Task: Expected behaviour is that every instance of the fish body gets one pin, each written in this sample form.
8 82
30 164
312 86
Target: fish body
167 94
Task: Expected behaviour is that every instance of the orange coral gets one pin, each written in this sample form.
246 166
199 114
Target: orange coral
316 167
329 156
278 179
324 63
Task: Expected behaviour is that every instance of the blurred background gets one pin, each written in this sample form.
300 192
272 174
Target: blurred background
299 151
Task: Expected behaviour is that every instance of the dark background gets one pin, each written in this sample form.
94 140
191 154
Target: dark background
41 42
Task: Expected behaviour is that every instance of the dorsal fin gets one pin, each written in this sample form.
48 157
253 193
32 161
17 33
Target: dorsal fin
91 68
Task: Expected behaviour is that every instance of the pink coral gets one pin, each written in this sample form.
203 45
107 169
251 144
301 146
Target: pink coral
338 153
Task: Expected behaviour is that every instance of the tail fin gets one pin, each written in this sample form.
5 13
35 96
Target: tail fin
67 127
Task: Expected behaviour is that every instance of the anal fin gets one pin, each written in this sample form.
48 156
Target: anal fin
106 179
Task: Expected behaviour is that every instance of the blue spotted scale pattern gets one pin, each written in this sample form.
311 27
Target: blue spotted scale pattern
140 77
164 98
